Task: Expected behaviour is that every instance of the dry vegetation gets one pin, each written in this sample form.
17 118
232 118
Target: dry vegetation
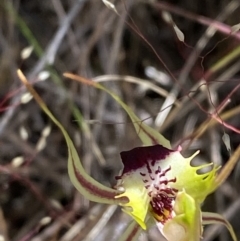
37 200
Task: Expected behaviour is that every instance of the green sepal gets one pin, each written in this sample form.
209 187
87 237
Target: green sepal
131 233
148 135
85 184
215 218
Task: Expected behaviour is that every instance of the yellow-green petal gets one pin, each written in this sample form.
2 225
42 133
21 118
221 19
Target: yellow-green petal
215 218
84 183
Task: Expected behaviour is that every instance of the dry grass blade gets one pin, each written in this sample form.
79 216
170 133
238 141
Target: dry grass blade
228 167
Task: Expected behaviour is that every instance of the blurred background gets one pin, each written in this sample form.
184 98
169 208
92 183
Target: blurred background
175 63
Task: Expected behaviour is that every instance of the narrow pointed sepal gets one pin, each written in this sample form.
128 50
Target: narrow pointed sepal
85 184
148 135
131 233
215 218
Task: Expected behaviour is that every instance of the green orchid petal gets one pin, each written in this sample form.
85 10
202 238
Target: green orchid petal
148 135
131 233
214 218
85 184
186 225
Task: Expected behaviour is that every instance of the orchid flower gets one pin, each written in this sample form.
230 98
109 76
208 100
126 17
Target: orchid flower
157 186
